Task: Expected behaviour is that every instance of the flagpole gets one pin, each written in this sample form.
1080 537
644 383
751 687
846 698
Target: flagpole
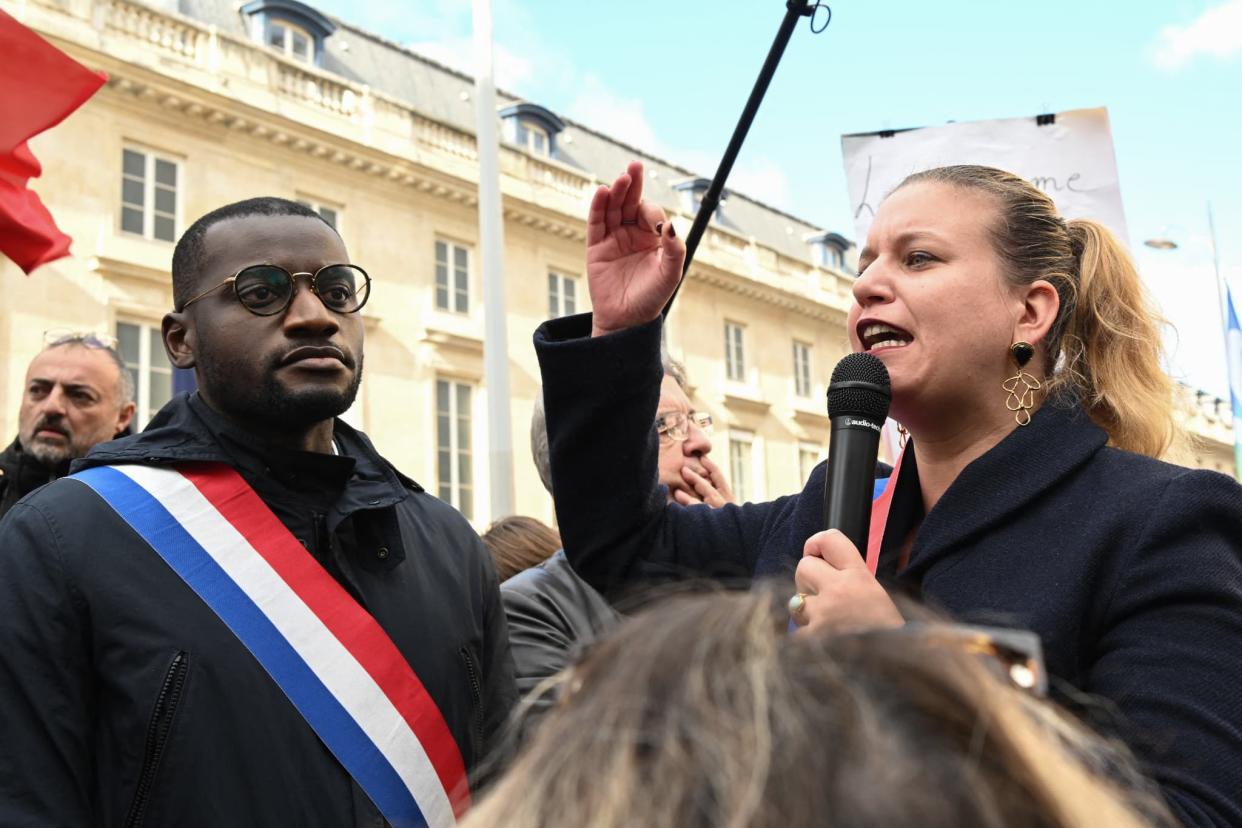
491 264
1220 285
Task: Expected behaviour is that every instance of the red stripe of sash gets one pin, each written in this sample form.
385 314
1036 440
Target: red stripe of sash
352 625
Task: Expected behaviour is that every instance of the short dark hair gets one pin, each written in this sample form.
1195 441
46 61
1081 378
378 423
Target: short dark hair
189 253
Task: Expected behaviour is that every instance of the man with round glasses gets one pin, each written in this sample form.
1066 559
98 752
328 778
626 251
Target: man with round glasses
244 615
77 395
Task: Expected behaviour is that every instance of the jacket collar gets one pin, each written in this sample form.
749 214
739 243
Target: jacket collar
187 430
1010 477
27 473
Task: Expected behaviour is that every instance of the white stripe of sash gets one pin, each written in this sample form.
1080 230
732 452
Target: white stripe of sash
334 665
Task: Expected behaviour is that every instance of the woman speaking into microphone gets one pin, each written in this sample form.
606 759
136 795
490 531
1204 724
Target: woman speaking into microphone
1024 361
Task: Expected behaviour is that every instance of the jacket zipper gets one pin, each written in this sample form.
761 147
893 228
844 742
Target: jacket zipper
476 690
157 735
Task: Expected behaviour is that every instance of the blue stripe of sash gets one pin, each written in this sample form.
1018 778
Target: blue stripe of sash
329 719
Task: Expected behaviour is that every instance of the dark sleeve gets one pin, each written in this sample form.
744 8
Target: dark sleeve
1169 655
46 696
499 690
600 396
542 647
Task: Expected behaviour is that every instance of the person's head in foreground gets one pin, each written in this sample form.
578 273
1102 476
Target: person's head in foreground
970 279
267 316
705 712
77 394
516 543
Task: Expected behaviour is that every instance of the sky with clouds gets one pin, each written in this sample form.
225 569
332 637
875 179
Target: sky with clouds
672 79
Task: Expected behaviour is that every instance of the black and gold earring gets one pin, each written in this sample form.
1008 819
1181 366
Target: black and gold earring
1021 401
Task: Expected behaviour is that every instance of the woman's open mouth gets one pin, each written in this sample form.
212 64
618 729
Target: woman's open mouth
876 336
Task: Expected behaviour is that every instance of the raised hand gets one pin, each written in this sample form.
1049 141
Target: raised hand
634 257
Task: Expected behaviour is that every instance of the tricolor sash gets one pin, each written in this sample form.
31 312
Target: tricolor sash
330 657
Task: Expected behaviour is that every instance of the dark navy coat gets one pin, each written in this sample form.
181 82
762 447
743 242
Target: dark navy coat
1129 569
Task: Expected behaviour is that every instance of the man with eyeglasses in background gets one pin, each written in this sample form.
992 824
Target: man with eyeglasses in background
552 612
77 395
244 615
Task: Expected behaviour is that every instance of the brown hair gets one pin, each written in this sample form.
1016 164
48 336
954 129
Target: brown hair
517 543
1105 346
705 711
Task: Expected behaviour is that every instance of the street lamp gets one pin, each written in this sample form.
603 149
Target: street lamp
1161 244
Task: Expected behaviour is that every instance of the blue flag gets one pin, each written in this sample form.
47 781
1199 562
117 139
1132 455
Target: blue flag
1233 352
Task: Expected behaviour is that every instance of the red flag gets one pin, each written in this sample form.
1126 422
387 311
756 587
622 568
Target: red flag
42 85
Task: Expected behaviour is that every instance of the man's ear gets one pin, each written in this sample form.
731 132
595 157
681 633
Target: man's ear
124 418
179 339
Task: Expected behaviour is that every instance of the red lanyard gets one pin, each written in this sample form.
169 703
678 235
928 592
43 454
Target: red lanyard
879 516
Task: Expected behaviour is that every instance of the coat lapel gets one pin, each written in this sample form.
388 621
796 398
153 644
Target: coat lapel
1010 477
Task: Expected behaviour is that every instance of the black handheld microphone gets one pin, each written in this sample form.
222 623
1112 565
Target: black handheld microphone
858 400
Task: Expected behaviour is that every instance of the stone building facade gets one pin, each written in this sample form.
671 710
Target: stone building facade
211 101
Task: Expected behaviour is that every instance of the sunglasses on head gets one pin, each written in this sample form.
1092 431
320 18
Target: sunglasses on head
56 337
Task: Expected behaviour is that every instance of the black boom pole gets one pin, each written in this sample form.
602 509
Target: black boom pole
794 9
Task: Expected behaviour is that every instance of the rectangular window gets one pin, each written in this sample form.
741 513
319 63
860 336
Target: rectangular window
290 40
532 137
142 349
735 358
830 256
331 213
149 195
299 46
741 464
808 458
562 295
276 36
802 368
452 277
453 451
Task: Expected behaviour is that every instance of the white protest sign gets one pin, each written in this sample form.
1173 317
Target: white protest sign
1068 155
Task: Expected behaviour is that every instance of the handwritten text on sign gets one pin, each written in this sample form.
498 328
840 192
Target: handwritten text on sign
1071 159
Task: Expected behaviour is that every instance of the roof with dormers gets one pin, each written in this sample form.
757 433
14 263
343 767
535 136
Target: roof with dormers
445 94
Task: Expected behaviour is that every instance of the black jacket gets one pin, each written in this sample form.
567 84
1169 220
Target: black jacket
21 474
1128 568
125 700
552 615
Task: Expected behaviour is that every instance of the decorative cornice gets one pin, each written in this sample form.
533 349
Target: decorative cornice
451 340
741 401
153 90
762 292
122 267
810 417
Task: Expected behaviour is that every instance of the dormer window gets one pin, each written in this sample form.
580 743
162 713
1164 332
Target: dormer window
692 191
533 137
532 128
291 39
828 250
292 28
